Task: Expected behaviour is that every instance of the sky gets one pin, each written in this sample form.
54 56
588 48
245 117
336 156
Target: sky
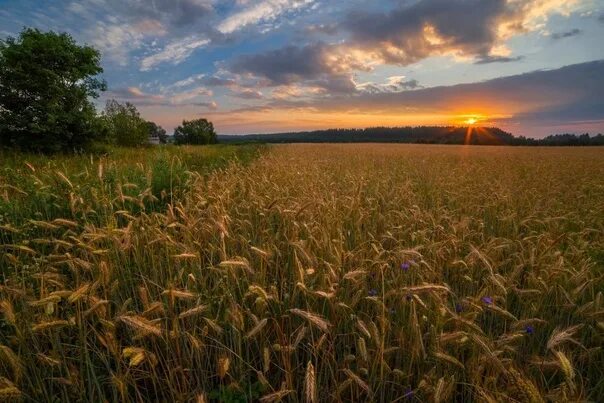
532 67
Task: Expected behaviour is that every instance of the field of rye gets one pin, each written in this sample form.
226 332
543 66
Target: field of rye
304 273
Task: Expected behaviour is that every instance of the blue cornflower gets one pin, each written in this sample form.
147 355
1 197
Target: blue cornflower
373 292
487 300
529 329
408 394
458 308
406 266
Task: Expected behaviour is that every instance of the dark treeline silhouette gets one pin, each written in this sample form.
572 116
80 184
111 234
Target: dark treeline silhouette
566 139
419 135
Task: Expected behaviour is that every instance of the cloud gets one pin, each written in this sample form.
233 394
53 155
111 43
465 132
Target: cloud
392 84
325 29
175 52
473 29
247 93
120 28
535 91
188 96
318 65
184 12
408 34
567 34
188 81
116 41
209 105
193 97
134 93
263 11
175 13
529 104
180 12
285 65
215 81
497 59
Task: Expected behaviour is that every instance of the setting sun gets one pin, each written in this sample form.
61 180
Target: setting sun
471 121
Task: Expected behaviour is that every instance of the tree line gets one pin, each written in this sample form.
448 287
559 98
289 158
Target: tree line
47 82
417 135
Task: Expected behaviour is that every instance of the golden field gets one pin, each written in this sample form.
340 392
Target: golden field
312 273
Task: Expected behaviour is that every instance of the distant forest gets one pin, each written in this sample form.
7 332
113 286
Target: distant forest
419 135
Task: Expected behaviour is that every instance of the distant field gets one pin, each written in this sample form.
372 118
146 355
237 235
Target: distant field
304 273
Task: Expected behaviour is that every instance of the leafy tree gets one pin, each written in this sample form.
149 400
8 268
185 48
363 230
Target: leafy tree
125 125
46 80
199 131
156 130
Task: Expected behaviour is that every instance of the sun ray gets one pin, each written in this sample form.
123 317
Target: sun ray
468 138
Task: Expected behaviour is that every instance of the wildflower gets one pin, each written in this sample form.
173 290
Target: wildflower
408 394
529 329
405 266
458 308
409 297
373 292
487 300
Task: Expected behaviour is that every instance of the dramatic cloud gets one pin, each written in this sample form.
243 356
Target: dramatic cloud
524 103
295 64
474 28
318 65
403 36
286 65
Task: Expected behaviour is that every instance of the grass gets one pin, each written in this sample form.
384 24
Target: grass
313 273
91 189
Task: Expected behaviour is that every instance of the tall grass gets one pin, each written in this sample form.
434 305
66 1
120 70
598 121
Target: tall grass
315 273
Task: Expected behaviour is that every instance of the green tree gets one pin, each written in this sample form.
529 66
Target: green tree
199 131
46 80
125 125
156 130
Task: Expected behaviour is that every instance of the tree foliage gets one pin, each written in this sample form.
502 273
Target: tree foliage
46 80
156 130
125 125
199 131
